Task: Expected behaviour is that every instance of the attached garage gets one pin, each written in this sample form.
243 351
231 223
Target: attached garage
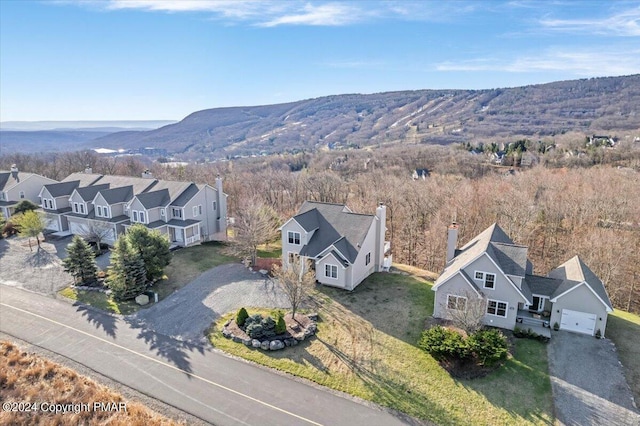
578 322
51 223
76 228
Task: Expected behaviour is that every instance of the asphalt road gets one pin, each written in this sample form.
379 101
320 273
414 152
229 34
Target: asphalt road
188 376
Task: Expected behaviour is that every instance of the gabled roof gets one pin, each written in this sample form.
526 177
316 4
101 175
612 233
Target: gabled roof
186 195
493 241
10 179
4 178
154 199
117 195
574 272
85 179
542 286
62 188
336 225
88 193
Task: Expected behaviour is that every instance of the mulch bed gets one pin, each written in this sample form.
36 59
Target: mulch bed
266 263
294 327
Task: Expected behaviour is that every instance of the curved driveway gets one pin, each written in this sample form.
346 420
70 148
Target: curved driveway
186 314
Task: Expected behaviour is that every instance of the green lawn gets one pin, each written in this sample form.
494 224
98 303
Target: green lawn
366 346
186 264
623 329
270 250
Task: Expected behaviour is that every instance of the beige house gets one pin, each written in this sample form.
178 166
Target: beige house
493 271
344 247
16 186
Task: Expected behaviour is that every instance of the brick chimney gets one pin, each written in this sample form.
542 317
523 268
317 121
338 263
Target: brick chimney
452 241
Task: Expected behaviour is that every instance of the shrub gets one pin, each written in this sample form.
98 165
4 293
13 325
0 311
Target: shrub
255 330
268 327
281 326
241 317
598 334
443 343
489 346
556 326
253 319
9 229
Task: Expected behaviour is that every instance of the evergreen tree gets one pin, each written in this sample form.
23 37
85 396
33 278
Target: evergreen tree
127 274
153 247
80 261
24 206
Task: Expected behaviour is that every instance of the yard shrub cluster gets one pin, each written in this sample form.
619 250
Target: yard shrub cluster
529 334
258 327
487 347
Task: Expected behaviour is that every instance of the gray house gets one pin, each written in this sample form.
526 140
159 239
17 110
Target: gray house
344 247
16 186
88 203
493 271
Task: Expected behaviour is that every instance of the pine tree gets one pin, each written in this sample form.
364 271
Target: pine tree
127 274
80 261
153 247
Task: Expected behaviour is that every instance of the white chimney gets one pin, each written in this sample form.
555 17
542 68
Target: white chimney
88 170
452 241
147 174
381 228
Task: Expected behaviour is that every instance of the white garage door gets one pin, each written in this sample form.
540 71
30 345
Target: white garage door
579 322
52 224
76 228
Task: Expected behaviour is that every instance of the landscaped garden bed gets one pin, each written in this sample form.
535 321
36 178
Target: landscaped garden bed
268 333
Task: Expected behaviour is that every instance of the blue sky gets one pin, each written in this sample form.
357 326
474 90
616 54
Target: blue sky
163 59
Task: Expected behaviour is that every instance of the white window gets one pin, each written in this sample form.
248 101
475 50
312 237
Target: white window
82 208
458 303
367 259
293 257
107 211
199 209
330 271
75 207
21 194
99 211
488 280
162 212
195 211
142 217
294 237
135 216
497 308
177 213
215 205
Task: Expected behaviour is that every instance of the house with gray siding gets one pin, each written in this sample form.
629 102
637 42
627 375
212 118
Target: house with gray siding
16 186
342 247
493 272
186 212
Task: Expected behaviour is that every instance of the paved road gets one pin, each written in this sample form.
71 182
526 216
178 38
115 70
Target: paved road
191 377
186 314
588 384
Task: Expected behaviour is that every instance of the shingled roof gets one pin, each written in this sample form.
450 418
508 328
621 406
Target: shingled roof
88 193
62 188
334 224
117 195
574 272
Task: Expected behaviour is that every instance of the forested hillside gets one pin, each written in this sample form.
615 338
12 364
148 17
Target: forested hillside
590 106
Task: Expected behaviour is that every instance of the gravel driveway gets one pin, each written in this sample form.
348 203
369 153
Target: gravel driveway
187 313
589 387
39 271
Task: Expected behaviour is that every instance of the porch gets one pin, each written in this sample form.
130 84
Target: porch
184 233
534 321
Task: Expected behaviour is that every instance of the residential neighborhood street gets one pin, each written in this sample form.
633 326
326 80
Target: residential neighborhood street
191 377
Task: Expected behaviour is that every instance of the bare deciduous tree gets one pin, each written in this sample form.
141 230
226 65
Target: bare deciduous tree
467 312
97 232
255 223
296 279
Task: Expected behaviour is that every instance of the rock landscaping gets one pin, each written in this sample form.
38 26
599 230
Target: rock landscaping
267 333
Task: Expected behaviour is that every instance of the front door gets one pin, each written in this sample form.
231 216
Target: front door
172 234
538 303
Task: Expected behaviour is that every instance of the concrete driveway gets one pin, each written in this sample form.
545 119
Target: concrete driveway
589 387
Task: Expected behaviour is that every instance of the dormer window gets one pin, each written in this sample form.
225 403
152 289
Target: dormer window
81 208
135 216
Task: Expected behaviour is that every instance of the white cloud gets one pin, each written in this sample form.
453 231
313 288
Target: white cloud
330 14
580 63
626 23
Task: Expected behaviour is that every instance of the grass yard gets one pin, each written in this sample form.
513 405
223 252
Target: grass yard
270 250
186 264
31 379
623 329
366 346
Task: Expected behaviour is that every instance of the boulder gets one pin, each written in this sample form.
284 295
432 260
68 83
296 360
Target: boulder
237 339
255 343
265 345
247 342
313 316
276 345
294 342
226 333
142 299
264 271
287 342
